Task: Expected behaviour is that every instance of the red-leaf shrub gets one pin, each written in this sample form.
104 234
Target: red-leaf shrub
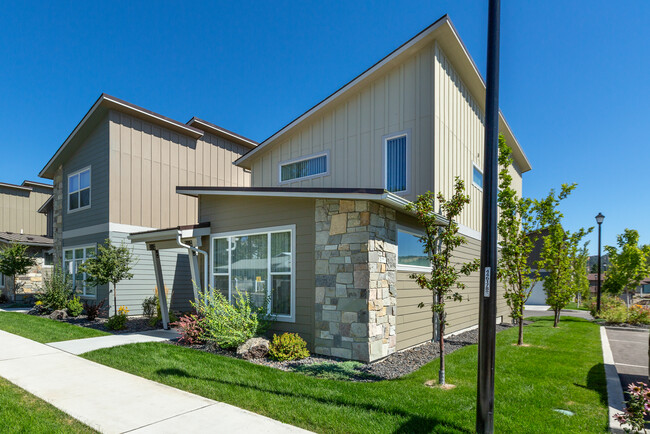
191 328
93 310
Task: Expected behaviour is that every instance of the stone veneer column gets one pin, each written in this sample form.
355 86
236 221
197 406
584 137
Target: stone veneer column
355 279
57 217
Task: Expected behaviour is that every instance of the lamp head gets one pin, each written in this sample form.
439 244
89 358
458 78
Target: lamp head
599 218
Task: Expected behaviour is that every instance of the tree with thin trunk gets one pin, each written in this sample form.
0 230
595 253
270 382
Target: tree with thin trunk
559 248
439 242
110 265
15 261
629 265
579 279
517 221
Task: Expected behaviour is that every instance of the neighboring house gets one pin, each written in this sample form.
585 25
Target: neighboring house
117 173
25 218
323 231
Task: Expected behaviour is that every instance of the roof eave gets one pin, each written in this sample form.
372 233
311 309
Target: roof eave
211 128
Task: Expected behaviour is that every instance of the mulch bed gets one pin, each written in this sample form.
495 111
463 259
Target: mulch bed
134 324
394 366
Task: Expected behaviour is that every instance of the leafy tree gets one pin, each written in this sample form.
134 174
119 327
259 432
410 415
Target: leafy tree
516 229
559 248
579 279
629 264
14 261
111 264
439 242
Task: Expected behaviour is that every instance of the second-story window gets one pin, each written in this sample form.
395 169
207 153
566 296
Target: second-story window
396 155
307 167
477 177
79 190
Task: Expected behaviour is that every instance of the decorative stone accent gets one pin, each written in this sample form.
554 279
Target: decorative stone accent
57 219
31 282
355 312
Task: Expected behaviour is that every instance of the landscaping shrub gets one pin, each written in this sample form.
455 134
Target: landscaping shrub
150 306
118 322
191 328
74 306
93 310
38 309
614 315
638 314
638 405
228 324
606 303
288 346
4 298
344 371
56 290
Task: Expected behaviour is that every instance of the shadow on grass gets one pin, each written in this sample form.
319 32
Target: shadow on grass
596 381
414 423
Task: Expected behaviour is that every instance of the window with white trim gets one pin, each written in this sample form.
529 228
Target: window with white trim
79 190
477 176
48 258
410 251
72 259
396 158
308 167
259 262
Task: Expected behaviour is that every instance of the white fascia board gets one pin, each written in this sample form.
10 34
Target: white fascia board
169 234
306 194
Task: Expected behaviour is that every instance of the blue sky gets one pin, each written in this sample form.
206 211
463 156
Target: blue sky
574 78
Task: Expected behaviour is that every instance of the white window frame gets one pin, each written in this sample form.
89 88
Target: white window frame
475 166
51 252
73 275
90 189
303 158
400 267
260 231
385 139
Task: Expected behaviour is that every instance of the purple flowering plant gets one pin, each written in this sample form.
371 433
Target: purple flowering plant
638 406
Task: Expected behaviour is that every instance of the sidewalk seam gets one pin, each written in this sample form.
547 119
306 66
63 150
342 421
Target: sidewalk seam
171 417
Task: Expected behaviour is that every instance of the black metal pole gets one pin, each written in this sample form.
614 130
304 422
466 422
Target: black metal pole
598 292
488 285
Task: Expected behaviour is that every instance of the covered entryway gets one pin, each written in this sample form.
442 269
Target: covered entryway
188 237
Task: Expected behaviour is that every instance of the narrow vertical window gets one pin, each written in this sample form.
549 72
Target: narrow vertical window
396 163
79 190
477 177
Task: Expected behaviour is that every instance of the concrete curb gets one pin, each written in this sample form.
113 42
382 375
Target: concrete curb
615 398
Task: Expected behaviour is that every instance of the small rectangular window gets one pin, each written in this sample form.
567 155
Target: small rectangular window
48 259
305 168
79 190
410 252
396 163
477 177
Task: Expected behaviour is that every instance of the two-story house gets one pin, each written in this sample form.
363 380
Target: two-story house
117 173
322 233
25 219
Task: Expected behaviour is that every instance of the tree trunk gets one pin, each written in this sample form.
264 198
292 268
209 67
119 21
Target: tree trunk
115 297
441 373
557 317
520 340
13 286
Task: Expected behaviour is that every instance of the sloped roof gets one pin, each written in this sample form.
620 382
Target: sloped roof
445 33
27 239
211 128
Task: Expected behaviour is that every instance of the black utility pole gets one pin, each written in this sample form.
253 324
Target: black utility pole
488 304
599 219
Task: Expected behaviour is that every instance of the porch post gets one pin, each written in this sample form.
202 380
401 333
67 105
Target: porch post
162 296
194 270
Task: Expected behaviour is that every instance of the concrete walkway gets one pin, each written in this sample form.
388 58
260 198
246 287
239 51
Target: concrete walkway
113 401
565 312
80 346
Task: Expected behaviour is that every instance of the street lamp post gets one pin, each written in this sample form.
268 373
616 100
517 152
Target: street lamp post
599 219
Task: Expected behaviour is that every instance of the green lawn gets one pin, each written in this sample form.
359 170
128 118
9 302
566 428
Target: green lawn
562 369
574 306
22 412
44 329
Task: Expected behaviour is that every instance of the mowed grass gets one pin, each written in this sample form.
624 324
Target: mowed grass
22 412
561 369
44 329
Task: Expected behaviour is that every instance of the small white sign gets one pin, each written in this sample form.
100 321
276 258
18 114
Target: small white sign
486 283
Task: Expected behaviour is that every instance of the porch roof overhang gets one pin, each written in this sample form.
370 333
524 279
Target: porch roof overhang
167 238
379 195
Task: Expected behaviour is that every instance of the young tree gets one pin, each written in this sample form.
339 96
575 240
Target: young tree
579 279
516 229
14 261
111 264
628 266
559 248
439 242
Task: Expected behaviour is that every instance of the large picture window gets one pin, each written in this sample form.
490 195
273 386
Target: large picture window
396 157
79 190
260 263
303 168
72 259
410 251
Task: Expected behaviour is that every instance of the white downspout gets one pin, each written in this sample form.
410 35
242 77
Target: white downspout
205 260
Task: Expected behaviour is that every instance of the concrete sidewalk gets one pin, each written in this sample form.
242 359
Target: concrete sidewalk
80 346
113 401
